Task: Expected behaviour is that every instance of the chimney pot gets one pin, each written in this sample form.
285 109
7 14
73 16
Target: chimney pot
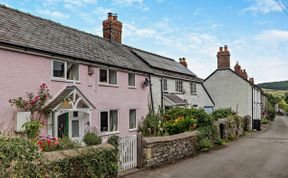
220 49
112 28
110 15
115 17
225 48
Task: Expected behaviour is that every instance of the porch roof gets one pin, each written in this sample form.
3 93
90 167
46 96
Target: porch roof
64 94
174 99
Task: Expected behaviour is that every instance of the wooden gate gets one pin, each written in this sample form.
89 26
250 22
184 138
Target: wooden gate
127 152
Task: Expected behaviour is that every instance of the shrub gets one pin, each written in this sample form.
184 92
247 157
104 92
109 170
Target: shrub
246 123
179 125
55 144
219 141
222 113
264 121
203 119
209 132
114 140
20 158
271 112
152 126
32 128
90 138
205 144
94 163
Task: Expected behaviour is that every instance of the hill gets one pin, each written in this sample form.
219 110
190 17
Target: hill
277 93
281 85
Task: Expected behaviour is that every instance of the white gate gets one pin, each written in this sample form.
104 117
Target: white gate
127 152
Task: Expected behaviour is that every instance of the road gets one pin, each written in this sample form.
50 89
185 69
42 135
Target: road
260 155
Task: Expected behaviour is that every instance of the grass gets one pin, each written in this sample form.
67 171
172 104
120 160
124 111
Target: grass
279 93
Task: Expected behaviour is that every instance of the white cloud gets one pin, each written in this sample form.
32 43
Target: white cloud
69 3
101 12
139 4
263 7
273 36
51 13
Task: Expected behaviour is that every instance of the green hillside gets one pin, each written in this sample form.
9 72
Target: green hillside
281 85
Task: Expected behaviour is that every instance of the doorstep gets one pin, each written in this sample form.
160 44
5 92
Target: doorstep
129 171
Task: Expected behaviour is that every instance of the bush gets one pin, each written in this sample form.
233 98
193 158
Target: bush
90 138
222 113
219 141
179 125
209 132
114 140
94 163
203 119
152 126
20 158
264 121
271 112
65 143
205 144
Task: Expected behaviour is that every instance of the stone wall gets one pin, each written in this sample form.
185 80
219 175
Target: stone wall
229 128
167 149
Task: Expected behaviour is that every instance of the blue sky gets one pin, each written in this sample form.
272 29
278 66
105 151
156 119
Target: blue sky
256 31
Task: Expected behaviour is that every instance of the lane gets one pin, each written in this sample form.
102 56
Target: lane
261 155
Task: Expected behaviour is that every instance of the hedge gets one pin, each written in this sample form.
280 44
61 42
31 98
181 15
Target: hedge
21 158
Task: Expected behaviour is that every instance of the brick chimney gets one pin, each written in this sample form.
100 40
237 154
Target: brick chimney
183 62
112 28
223 58
237 68
251 80
244 74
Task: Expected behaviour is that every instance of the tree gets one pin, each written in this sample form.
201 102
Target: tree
286 98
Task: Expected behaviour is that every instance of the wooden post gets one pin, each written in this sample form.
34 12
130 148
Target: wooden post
140 159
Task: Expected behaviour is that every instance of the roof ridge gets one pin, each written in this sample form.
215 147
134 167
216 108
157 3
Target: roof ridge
150 53
51 21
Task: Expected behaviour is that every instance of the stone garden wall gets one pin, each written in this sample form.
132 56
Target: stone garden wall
162 150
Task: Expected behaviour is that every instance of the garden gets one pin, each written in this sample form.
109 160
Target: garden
24 155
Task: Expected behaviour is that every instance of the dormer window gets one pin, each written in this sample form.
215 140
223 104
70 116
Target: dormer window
65 70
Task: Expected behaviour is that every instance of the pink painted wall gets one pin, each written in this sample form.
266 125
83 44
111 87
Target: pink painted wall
21 73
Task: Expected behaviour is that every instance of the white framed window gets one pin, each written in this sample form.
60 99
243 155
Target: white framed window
65 70
165 86
108 76
109 121
132 119
131 80
179 86
193 88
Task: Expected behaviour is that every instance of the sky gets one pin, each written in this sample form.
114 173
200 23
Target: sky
256 31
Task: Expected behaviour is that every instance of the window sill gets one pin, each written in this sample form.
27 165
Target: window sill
109 133
132 130
108 85
132 87
64 80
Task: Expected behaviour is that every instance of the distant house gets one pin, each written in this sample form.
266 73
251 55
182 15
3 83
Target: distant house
173 84
232 89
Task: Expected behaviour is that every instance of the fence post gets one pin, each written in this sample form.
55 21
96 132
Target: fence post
140 160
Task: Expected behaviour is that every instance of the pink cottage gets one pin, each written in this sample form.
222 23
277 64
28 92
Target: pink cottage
96 83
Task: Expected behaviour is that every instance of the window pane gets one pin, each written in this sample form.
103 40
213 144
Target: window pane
75 128
58 69
113 120
165 85
112 77
132 119
72 71
104 121
131 79
103 76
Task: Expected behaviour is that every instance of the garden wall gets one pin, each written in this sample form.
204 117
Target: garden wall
229 128
162 150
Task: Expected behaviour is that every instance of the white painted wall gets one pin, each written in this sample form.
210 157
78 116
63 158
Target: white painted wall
229 90
200 99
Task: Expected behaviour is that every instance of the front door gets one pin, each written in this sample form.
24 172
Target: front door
63 125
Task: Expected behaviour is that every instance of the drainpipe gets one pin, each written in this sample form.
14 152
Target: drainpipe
161 82
252 119
150 86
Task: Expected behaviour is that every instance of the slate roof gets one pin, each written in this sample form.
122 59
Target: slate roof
175 99
165 66
22 29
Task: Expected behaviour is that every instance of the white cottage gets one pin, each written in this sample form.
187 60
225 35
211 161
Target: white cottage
173 84
231 88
